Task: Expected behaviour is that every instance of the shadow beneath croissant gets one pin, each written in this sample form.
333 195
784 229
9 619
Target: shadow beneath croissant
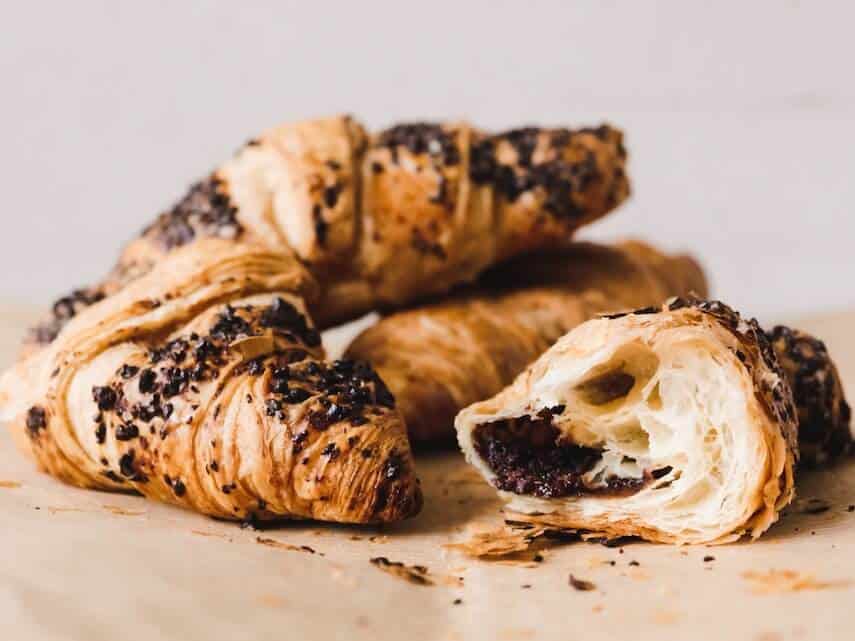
454 495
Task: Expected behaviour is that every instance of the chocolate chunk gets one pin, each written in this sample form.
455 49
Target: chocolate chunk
331 451
126 464
105 397
179 488
36 420
147 382
128 371
127 432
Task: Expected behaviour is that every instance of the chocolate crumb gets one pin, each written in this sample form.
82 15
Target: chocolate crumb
581 584
457 601
127 432
634 563
179 488
708 558
36 420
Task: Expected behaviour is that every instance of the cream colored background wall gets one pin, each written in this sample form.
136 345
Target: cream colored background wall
740 116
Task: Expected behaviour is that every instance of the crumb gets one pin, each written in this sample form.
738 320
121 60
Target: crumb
416 574
581 584
526 586
777 581
115 509
273 543
709 558
634 563
851 508
457 601
10 485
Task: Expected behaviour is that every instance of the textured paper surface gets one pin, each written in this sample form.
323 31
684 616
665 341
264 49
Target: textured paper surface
88 566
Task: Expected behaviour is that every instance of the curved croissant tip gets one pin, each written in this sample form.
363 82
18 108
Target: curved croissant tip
398 495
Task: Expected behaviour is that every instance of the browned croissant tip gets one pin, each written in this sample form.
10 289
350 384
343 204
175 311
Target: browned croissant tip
824 415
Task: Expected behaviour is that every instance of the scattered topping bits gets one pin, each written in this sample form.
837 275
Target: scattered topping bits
709 558
205 211
63 311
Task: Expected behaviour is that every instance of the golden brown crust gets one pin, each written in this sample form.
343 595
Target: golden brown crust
203 384
440 358
382 220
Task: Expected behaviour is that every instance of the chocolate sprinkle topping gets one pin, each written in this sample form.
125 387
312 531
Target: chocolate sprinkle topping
36 420
205 211
64 309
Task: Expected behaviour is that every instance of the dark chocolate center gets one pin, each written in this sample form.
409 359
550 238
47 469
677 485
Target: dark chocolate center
528 457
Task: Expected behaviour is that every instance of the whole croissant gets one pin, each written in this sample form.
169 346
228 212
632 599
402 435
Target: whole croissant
381 220
203 384
439 358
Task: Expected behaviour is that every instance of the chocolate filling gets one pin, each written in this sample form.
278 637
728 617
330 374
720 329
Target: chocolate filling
528 457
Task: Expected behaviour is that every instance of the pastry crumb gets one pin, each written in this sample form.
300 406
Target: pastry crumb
779 581
415 574
581 585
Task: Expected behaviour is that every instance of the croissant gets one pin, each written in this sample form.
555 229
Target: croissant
439 358
381 220
203 384
824 416
683 412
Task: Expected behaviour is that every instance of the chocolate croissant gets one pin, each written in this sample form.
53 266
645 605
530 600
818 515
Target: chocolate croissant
439 358
203 384
825 431
381 220
675 425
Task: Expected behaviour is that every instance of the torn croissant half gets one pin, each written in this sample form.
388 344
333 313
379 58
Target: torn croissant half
674 424
204 384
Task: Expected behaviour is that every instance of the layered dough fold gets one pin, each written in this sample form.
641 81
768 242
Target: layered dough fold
675 424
